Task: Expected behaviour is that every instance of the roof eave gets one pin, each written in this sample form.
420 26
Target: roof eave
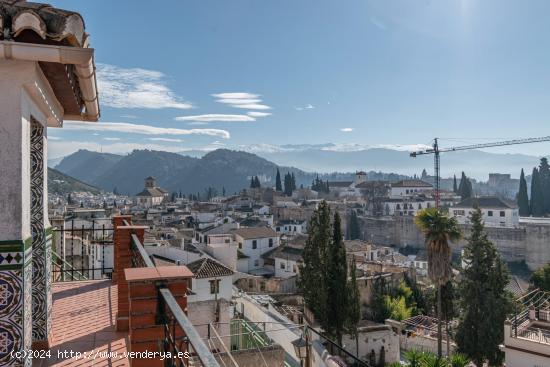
81 58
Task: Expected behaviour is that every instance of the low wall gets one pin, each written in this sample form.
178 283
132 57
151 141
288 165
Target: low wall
530 242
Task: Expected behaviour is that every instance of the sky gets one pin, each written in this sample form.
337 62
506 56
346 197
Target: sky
198 75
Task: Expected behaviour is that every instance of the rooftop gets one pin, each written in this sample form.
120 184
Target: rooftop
208 268
255 232
83 320
411 183
491 202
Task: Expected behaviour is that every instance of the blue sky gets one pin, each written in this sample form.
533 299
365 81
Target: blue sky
355 73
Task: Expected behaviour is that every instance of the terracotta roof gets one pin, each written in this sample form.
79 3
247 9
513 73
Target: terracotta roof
208 268
52 25
151 191
255 232
411 183
484 202
287 253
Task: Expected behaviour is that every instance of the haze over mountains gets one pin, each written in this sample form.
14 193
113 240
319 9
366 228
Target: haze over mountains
193 172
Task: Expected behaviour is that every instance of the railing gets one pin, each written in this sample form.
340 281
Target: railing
181 339
190 340
535 334
82 250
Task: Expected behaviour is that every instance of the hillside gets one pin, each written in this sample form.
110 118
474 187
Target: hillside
221 168
62 184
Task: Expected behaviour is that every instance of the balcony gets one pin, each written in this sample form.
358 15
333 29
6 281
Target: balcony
123 313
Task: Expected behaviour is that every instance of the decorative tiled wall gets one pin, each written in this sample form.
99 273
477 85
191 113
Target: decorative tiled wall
15 301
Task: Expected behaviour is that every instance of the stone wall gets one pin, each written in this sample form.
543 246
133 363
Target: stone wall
530 242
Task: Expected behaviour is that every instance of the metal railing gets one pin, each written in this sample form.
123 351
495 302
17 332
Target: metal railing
181 340
535 334
189 340
82 250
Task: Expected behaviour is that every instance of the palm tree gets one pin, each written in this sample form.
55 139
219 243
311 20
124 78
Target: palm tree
431 360
459 360
439 229
414 357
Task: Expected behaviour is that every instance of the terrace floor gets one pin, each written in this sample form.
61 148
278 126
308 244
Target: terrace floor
83 320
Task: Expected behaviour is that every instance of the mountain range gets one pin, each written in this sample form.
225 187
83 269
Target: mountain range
62 184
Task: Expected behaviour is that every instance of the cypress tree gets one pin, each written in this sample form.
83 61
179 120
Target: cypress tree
523 199
278 186
353 232
455 188
544 175
483 298
465 187
354 305
337 277
252 182
537 198
293 181
313 271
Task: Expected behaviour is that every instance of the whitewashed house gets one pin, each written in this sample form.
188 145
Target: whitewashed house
496 212
253 243
409 188
287 261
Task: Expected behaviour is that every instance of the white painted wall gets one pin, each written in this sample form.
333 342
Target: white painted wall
201 288
493 217
262 246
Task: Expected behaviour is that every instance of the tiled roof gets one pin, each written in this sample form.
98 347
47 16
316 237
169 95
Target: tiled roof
151 191
255 232
411 183
484 202
288 253
49 23
208 268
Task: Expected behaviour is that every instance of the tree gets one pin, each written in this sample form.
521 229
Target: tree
69 199
523 199
353 230
337 277
537 198
544 175
484 300
313 275
465 187
541 278
289 184
353 306
455 188
115 191
424 174
223 191
278 186
438 230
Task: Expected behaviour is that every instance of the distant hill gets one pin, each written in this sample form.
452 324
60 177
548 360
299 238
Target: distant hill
220 169
86 165
62 184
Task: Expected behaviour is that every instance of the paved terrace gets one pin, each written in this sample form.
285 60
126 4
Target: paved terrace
83 320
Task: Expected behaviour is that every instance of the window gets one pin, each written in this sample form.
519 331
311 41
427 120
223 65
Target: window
240 245
283 266
490 213
271 242
502 213
214 286
254 244
256 262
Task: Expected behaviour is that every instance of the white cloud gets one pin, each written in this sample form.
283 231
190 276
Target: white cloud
167 140
237 95
64 148
347 129
136 88
216 117
244 100
124 127
258 114
111 139
54 138
308 106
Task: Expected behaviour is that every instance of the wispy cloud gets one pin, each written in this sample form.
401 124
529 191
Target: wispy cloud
216 117
378 24
346 129
64 148
258 114
111 139
245 100
167 140
124 127
54 138
136 88
308 106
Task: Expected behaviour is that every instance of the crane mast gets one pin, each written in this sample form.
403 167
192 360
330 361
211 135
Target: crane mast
436 150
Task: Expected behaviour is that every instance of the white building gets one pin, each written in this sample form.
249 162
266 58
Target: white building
291 227
496 213
287 261
406 205
151 195
410 188
253 243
